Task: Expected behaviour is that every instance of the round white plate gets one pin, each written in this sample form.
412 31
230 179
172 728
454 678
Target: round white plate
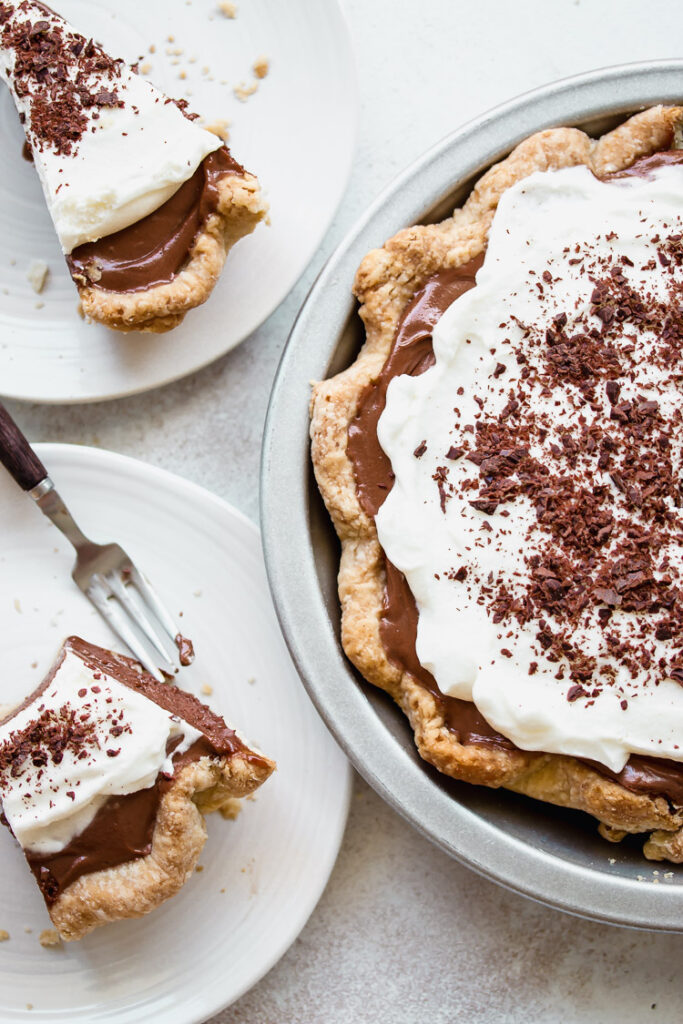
263 873
296 132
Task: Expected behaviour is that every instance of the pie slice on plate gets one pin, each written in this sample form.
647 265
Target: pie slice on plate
105 775
145 202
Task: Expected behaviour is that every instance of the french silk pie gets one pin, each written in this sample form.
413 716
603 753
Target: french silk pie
502 464
105 775
145 202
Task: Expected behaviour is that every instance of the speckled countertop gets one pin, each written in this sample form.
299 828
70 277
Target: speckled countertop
403 933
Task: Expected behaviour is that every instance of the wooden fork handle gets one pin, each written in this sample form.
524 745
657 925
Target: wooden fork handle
16 454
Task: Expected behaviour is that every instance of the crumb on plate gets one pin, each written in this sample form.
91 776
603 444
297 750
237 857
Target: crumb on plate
37 274
231 809
261 67
219 128
243 92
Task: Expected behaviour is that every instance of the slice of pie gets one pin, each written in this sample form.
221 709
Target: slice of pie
105 775
502 464
145 202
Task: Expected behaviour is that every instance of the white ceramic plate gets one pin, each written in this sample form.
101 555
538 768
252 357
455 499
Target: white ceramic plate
297 132
263 873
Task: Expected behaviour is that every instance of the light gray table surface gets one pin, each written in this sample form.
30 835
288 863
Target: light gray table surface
403 933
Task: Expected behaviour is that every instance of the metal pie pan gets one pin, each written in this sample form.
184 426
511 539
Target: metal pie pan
549 854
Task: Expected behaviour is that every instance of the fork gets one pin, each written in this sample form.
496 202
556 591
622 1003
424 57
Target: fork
104 572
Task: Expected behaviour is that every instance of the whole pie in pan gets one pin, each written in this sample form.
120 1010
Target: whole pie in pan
145 202
105 776
502 464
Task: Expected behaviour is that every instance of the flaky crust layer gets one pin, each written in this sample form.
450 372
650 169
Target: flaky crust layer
385 282
135 888
162 307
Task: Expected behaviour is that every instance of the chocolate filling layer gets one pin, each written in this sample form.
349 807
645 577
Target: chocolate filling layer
123 828
412 354
153 250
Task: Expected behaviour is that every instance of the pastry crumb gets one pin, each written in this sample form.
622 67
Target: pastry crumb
261 67
199 868
230 809
37 274
219 128
243 92
251 680
152 48
207 690
228 8
4 935
145 68
17 605
50 937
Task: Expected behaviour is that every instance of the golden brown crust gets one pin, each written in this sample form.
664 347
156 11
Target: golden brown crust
162 307
385 282
135 888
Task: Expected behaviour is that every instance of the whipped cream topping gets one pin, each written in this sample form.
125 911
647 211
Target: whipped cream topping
536 510
85 738
109 148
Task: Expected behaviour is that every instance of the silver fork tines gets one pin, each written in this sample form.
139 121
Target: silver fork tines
117 589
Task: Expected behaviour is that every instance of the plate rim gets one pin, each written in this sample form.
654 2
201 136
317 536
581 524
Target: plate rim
83 455
308 630
347 53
